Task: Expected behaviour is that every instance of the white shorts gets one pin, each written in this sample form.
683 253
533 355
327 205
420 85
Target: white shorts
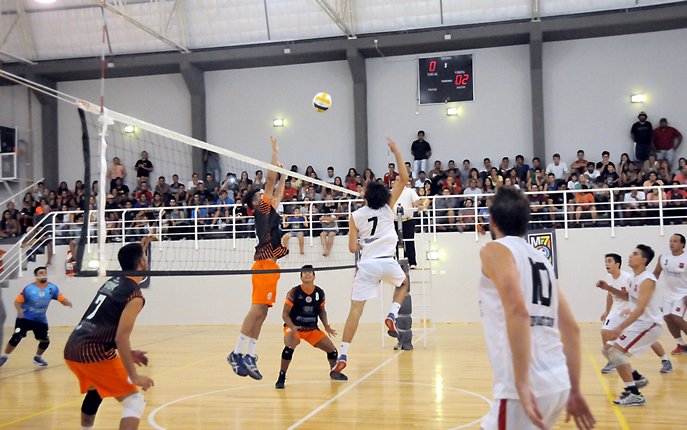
507 414
674 307
639 336
371 272
613 319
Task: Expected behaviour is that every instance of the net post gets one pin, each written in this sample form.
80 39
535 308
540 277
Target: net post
102 232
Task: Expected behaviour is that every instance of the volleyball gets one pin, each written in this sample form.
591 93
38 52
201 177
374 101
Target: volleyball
322 102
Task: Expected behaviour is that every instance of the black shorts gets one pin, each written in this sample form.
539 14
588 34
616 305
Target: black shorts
39 329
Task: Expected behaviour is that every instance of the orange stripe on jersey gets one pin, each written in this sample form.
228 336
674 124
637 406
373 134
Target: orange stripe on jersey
61 298
322 304
20 297
289 302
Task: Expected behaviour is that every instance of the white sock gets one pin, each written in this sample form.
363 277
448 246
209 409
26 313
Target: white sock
680 341
395 307
86 428
664 358
238 349
39 355
630 384
4 355
251 346
344 348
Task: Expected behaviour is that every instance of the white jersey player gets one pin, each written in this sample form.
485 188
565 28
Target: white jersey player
673 266
532 338
641 327
373 234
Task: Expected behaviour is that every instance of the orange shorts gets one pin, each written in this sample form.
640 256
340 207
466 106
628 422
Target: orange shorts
109 377
265 284
313 337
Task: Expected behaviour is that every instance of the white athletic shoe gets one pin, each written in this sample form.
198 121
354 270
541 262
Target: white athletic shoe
627 398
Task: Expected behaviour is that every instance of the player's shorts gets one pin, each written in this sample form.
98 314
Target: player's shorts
613 319
371 272
265 284
674 307
40 330
313 337
639 336
109 377
507 414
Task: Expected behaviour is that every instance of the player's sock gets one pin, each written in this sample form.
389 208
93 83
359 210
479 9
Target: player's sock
664 358
251 346
680 341
86 428
238 349
282 374
344 348
395 307
631 387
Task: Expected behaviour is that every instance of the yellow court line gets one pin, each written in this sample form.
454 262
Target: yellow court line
616 409
71 402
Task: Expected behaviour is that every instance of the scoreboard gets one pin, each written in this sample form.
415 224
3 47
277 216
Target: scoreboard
446 79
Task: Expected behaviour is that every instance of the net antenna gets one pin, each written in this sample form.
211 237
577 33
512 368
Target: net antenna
233 254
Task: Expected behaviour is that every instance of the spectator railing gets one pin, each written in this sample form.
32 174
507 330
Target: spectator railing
659 206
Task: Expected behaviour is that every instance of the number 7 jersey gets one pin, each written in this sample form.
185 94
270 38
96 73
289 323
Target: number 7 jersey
376 233
93 339
548 370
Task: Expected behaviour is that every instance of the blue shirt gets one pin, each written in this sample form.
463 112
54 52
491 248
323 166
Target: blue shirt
35 301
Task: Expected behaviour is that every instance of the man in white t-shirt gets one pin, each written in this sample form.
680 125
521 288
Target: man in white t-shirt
372 233
641 327
406 205
532 338
558 168
673 266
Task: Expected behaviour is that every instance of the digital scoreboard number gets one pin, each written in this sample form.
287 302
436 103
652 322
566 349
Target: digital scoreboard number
446 79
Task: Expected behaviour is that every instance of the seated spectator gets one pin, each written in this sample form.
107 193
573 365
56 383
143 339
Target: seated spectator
631 177
537 177
368 176
473 188
390 176
593 170
624 162
162 187
558 168
420 181
12 211
445 211
551 182
574 182
495 177
634 205
539 206
409 168
295 225
329 225
142 201
143 189
174 186
681 164
464 172
453 187
514 178
584 201
466 216
580 163
650 165
611 177
653 204
330 175
664 172
504 167
509 183
474 174
211 184
605 160
8 226
681 177
486 169
677 203
290 192
437 170
353 185
41 192
488 186
653 180
206 195
350 177
536 164
259 180
521 170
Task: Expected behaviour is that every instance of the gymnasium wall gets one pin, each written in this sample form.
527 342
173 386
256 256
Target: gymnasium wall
16 112
453 296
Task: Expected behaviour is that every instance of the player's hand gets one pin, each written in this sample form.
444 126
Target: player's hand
578 409
529 405
20 314
275 147
603 285
143 381
139 357
604 316
330 331
392 145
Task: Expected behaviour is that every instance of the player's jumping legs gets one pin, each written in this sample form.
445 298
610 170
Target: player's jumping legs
400 294
327 346
357 307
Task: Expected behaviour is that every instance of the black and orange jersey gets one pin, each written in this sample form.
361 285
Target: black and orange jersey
268 230
305 307
93 339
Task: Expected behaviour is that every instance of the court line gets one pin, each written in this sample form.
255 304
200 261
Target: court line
616 409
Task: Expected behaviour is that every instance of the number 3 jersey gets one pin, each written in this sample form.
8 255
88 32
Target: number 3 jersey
548 371
93 339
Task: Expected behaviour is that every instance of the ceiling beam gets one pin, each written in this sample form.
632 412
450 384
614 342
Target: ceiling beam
334 15
17 57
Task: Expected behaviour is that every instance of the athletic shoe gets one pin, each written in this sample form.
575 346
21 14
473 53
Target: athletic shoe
340 364
679 350
251 367
390 322
641 382
236 361
628 398
38 361
337 376
407 347
280 383
667 366
3 360
608 368
398 346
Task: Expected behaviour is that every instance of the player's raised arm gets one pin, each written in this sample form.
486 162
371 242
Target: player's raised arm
279 194
577 407
499 266
271 179
403 173
124 328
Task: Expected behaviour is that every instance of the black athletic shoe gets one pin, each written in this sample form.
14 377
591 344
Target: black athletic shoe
280 383
251 367
337 376
236 362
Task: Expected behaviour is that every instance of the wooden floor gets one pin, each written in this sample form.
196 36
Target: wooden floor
444 386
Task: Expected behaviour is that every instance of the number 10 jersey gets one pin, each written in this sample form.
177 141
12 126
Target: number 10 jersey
548 371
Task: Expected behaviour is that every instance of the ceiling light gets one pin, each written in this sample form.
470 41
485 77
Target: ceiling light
637 98
278 122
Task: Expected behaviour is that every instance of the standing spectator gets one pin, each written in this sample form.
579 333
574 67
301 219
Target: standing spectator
666 141
330 175
143 167
421 152
390 176
465 171
212 164
405 207
558 168
641 132
116 171
580 164
437 170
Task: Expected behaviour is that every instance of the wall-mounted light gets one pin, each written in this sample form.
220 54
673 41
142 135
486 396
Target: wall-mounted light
637 98
432 255
129 129
452 111
278 122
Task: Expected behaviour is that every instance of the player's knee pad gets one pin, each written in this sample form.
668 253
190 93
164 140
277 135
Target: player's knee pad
333 355
133 406
43 344
287 353
91 402
618 358
15 339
